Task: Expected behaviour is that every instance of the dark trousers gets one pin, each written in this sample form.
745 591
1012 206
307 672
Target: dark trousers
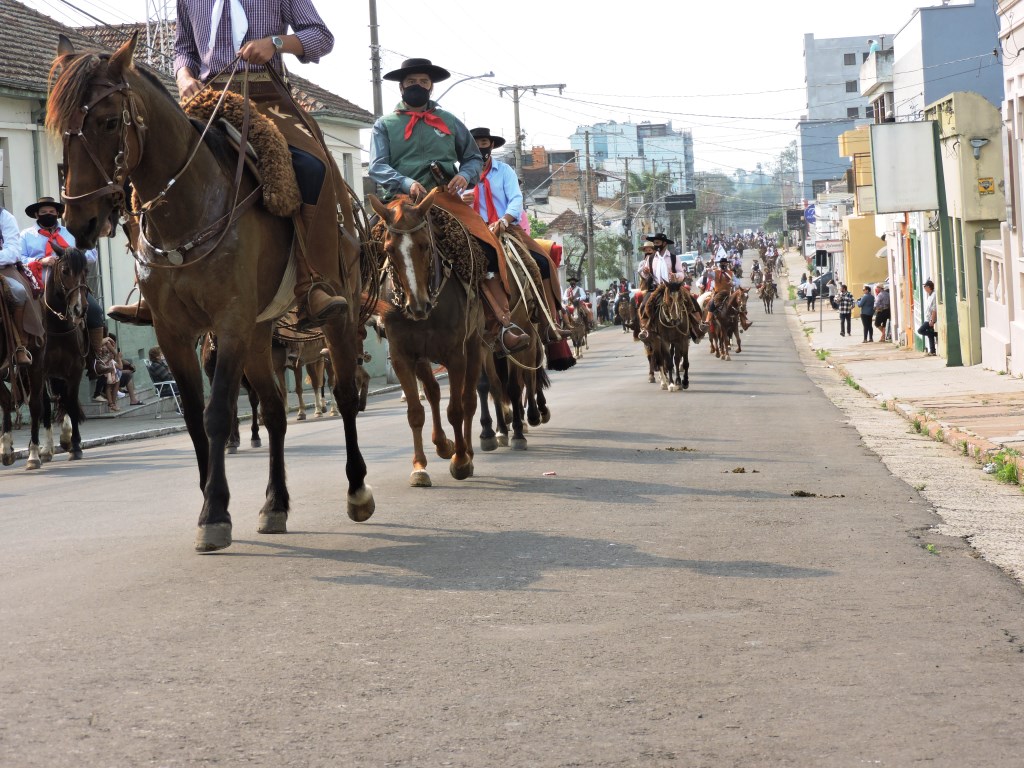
845 318
929 333
869 334
810 301
882 320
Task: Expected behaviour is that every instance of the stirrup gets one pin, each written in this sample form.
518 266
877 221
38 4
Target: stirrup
27 354
501 338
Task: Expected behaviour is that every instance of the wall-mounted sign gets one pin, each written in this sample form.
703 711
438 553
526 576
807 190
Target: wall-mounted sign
987 186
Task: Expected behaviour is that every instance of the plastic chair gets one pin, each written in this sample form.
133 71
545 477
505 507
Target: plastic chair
166 389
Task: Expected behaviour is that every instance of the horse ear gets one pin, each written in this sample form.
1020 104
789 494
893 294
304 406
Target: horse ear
65 46
58 249
426 202
378 207
124 58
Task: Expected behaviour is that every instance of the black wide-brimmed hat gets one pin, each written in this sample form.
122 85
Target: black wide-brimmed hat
33 210
485 133
418 67
573 280
661 236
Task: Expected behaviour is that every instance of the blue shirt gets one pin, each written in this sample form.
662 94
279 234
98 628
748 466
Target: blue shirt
505 192
33 245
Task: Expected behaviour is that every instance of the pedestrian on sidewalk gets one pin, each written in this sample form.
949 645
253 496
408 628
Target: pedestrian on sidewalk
867 310
833 294
845 302
811 294
882 310
931 316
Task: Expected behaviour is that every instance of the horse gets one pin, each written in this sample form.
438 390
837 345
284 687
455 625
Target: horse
669 335
307 355
195 203
579 327
516 382
725 321
208 355
627 315
767 293
437 317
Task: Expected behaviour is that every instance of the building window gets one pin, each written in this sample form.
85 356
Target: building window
853 111
865 55
849 59
851 86
869 110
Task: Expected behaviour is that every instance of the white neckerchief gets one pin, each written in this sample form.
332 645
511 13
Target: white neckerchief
239 23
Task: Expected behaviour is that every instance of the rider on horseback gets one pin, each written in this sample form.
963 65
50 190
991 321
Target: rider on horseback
404 147
205 44
657 269
499 201
576 296
37 247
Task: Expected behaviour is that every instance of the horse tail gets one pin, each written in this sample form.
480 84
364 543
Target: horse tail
543 382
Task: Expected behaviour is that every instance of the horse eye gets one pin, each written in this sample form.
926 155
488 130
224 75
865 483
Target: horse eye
110 124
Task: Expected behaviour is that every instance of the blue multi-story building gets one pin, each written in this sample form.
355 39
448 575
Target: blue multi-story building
643 147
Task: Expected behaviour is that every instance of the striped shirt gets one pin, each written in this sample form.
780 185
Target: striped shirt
266 18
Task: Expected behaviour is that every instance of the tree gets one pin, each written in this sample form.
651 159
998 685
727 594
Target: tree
538 228
608 249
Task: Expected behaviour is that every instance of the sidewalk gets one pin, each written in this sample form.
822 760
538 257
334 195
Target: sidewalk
975 410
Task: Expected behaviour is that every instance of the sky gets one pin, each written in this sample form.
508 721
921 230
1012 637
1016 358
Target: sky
732 72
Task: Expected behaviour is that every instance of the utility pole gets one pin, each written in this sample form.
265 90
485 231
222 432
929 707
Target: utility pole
591 263
516 90
378 98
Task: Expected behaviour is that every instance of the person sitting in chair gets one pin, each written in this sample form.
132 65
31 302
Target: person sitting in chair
407 143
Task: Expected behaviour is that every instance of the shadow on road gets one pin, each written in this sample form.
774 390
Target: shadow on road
433 559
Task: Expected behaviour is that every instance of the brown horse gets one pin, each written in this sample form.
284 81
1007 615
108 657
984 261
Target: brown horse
669 335
767 293
437 318
119 124
579 328
725 323
627 315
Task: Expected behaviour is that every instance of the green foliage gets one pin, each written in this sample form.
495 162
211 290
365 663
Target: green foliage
1006 466
852 384
918 426
822 354
939 436
538 228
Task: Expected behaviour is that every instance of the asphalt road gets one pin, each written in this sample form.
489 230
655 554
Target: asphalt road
646 605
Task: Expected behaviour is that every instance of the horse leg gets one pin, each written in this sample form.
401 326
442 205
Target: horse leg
73 415
502 411
254 407
297 375
488 442
461 408
46 449
315 371
533 417
686 363
416 416
343 341
234 438
515 396
35 408
265 390
431 392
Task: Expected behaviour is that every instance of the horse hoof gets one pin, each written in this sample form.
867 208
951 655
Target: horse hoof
420 479
545 417
210 538
461 472
488 444
671 387
664 386
526 428
272 522
232 449
533 421
318 414
33 464
446 449
8 460
361 504
502 441
46 457
301 416
256 443
686 385
518 443
75 454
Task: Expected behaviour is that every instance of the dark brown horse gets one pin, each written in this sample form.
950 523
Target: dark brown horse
60 360
437 318
119 124
669 335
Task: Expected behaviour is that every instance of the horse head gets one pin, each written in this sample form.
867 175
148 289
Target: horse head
409 248
93 108
66 288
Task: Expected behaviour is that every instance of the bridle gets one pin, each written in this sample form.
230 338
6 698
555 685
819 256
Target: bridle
125 164
440 269
79 290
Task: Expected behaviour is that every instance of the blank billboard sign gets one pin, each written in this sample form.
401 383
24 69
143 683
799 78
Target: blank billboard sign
903 161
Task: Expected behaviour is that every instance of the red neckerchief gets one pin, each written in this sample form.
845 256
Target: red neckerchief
51 238
492 212
427 117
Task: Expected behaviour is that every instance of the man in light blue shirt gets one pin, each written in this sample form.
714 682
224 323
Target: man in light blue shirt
499 201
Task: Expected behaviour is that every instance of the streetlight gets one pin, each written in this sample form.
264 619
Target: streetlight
471 77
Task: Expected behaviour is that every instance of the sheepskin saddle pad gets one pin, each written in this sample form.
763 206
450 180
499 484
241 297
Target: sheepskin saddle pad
281 195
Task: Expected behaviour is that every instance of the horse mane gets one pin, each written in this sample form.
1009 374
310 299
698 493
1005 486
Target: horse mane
70 79
76 261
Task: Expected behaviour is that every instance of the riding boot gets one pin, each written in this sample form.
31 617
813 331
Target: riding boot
499 316
95 363
21 354
131 314
555 332
317 302
744 322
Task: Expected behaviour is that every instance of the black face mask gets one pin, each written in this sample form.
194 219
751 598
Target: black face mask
415 95
47 220
486 153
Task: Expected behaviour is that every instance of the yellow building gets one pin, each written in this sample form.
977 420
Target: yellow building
970 131
860 263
